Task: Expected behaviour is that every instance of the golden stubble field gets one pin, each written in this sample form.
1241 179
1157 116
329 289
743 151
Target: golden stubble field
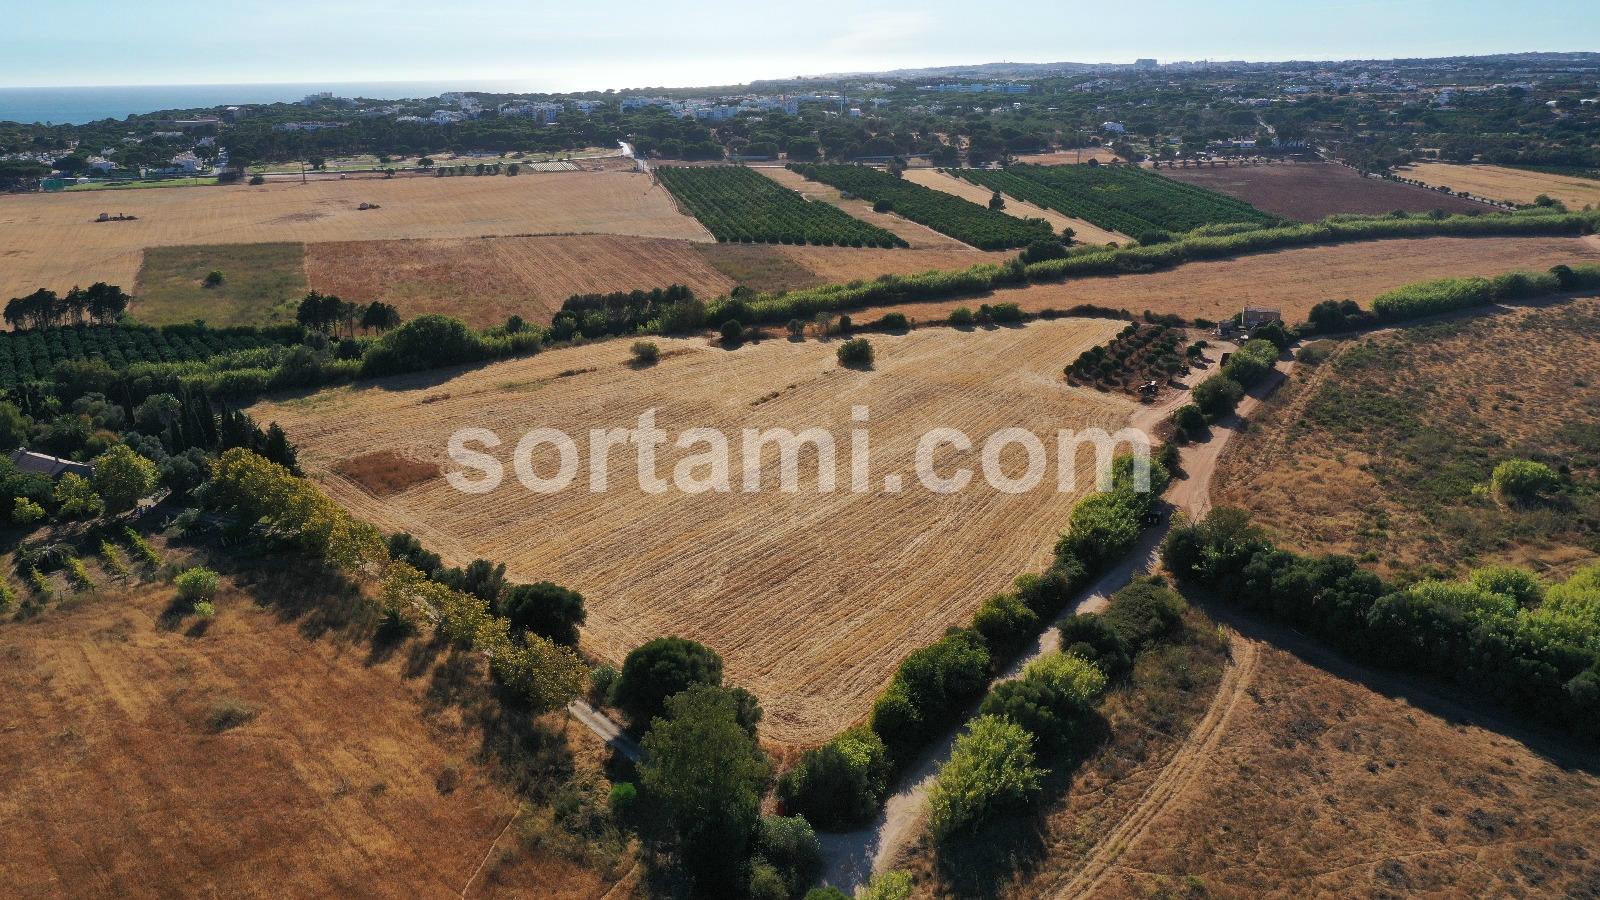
53 240
1086 232
1501 183
811 598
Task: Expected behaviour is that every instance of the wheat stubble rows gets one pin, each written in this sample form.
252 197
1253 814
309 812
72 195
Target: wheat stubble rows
812 598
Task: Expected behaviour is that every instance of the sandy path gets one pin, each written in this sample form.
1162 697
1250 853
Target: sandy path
852 857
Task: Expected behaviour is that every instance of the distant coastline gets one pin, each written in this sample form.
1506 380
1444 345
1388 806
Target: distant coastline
79 105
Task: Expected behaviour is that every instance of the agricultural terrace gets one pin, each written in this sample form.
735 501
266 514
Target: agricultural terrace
979 226
1293 280
53 241
812 598
1504 183
1307 192
1118 198
1083 232
1379 452
740 206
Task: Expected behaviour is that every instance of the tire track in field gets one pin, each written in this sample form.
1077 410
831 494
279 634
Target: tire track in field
1172 784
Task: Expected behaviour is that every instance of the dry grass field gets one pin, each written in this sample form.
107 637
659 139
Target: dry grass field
1309 191
776 267
1324 785
1291 280
1376 452
919 237
1068 157
261 284
812 598
53 240
484 280
1086 232
1501 183
270 753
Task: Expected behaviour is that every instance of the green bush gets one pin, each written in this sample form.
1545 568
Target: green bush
197 584
1144 612
990 769
646 353
789 845
1523 480
1005 623
732 331
839 784
426 342
623 796
962 317
1189 419
855 353
929 690
1217 396
660 668
1091 638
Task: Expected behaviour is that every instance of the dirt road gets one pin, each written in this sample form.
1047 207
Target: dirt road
852 857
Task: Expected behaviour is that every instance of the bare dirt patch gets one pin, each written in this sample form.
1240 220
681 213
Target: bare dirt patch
1291 280
1309 191
1501 183
484 280
62 245
384 473
811 597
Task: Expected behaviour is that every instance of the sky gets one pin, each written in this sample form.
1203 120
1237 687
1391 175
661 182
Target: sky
630 43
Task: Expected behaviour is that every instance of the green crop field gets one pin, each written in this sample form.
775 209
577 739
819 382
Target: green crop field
742 206
1120 198
979 226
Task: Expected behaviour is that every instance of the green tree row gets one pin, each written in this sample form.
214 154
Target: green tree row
743 206
984 228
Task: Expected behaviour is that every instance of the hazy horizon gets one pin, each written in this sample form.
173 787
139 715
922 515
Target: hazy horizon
632 44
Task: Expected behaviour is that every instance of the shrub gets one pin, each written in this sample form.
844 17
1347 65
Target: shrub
962 317
890 885
1189 419
1039 251
766 882
1523 480
1520 585
1217 396
839 784
1077 681
141 547
546 609
1005 624
892 322
78 574
732 332
26 512
991 768
856 353
1091 638
660 668
796 329
257 179
623 796
1035 706
213 278
426 342
646 353
197 584
788 843
928 691
1144 612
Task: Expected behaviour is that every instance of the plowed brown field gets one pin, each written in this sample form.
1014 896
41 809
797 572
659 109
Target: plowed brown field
52 240
812 598
1309 191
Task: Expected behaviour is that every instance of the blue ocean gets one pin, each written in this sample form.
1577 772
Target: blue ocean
77 105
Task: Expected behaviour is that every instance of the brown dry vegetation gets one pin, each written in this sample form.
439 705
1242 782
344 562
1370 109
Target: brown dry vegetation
1323 786
812 598
52 240
918 236
1501 183
1309 191
1068 157
269 752
1292 280
1086 232
1375 453
484 280
384 473
774 267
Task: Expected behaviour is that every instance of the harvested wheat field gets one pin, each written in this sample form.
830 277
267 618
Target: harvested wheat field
1338 782
778 267
1502 183
1086 232
53 240
484 280
267 752
1291 280
1455 400
1068 157
812 598
919 237
1309 191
